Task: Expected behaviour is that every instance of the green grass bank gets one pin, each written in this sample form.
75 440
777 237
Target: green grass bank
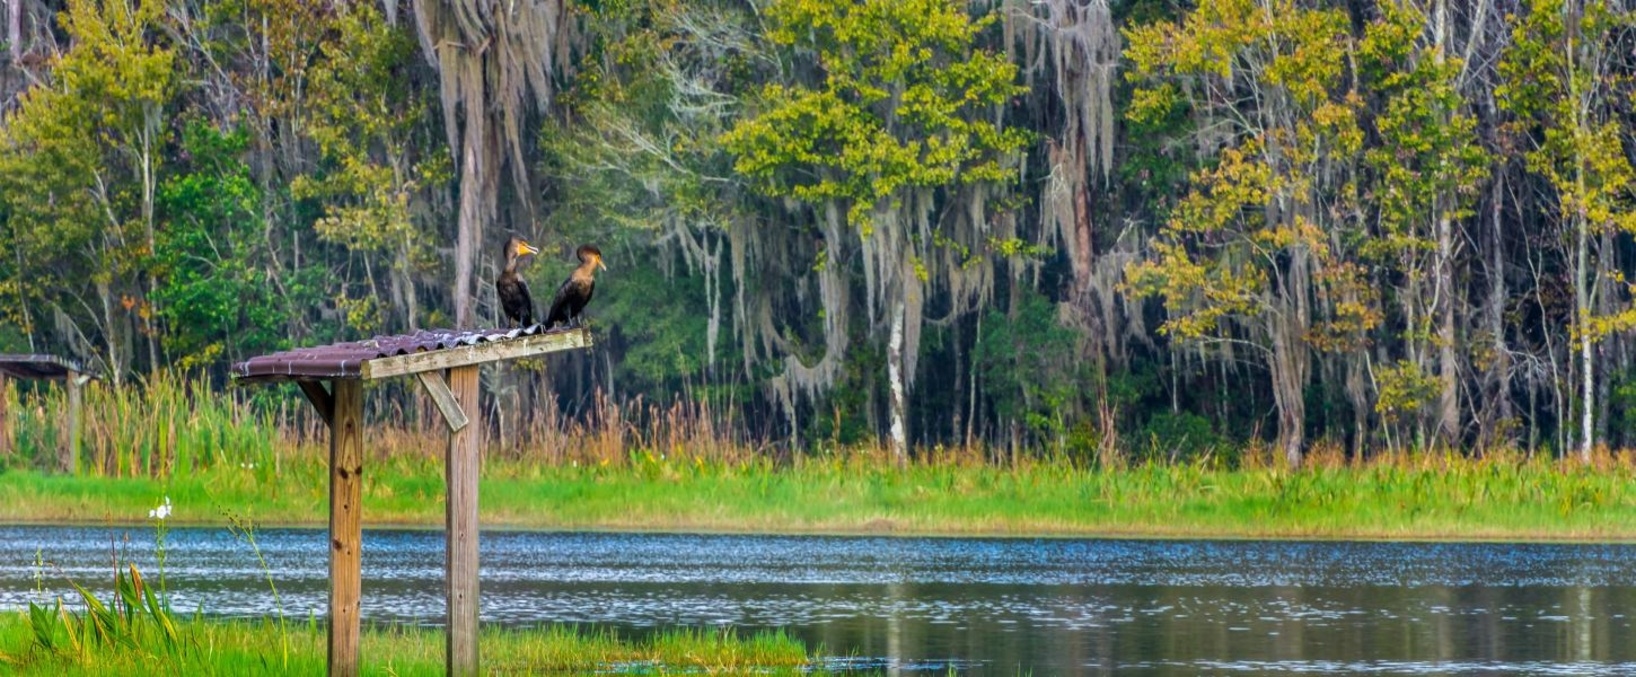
686 468
264 647
1423 498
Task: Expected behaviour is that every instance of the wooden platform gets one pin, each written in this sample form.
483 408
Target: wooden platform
445 362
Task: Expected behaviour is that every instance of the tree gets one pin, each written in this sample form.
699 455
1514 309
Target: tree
370 126
894 126
1257 252
1560 81
1427 172
80 163
494 60
213 291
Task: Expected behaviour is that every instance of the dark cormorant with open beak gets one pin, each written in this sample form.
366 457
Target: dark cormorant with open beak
576 291
515 302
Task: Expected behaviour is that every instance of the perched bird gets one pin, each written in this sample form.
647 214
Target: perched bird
576 291
515 302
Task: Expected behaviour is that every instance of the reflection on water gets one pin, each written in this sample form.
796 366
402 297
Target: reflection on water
975 606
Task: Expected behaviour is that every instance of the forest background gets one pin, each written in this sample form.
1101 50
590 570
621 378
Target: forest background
1102 231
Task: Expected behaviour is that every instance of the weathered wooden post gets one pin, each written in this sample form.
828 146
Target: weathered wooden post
427 355
462 464
5 417
76 405
346 493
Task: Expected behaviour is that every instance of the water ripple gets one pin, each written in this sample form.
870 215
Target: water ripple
966 605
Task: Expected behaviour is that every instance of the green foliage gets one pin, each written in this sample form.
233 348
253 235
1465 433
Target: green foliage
844 416
1572 113
663 322
1405 391
637 159
213 289
240 647
1180 438
642 148
188 184
78 161
134 620
1300 80
904 102
1025 361
1429 160
1622 424
379 153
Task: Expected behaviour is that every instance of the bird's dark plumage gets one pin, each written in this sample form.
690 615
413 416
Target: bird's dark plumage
576 291
515 302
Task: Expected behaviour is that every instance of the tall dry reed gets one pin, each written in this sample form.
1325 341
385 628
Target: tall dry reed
173 424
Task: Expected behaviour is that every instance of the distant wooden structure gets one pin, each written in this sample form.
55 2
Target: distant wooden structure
432 357
50 368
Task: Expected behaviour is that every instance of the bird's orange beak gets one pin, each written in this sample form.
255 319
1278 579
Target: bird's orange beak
526 248
600 264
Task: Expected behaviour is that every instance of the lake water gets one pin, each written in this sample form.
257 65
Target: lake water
932 605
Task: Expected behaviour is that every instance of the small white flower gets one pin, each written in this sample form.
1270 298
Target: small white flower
160 512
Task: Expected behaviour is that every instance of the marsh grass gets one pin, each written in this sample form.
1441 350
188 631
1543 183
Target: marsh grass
684 467
241 647
1390 497
169 426
133 619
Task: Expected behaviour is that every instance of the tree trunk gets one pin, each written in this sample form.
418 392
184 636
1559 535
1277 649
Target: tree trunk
1500 371
1581 316
1357 394
147 157
14 29
116 363
1082 251
899 385
1448 360
5 418
473 212
976 384
1287 379
1607 349
1290 360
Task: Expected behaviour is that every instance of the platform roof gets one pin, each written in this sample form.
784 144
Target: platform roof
39 366
425 350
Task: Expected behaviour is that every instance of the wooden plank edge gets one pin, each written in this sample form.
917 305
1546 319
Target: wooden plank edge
494 351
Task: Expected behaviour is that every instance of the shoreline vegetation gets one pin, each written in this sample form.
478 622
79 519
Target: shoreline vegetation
1446 498
203 645
231 455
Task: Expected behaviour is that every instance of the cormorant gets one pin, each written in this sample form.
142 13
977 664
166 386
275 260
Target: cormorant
576 291
515 302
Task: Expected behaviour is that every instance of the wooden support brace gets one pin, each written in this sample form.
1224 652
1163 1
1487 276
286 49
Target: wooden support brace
439 390
320 399
462 468
346 467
